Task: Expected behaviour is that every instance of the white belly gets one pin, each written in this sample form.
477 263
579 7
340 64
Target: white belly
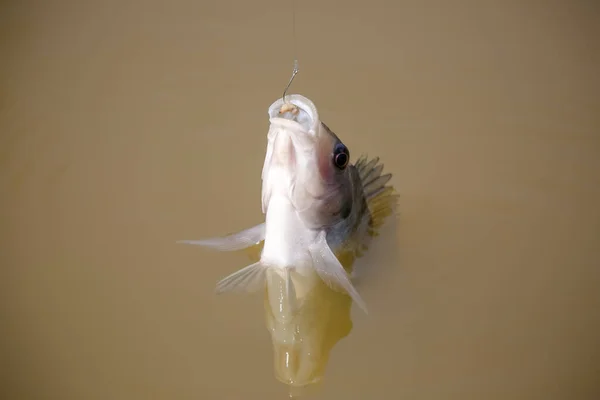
286 237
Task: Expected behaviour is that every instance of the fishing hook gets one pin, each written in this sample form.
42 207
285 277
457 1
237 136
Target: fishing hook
294 72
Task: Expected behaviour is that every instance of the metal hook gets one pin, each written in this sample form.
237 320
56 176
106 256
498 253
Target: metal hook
294 72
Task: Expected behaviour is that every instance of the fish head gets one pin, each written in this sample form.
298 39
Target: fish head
306 162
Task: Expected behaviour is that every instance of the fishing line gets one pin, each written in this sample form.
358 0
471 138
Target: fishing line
295 70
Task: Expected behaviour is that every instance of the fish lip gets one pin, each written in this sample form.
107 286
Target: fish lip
303 103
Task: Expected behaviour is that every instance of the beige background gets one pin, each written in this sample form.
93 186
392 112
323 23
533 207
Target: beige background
127 125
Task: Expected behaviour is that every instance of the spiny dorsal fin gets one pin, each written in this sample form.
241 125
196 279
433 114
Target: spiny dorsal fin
380 197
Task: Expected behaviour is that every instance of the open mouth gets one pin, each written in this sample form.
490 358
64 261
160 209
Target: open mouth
296 109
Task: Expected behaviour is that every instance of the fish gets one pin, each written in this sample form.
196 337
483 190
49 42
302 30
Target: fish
302 344
320 214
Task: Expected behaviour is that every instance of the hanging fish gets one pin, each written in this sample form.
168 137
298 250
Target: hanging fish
320 213
314 200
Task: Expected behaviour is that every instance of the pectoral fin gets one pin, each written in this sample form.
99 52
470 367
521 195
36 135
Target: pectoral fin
248 279
235 241
331 270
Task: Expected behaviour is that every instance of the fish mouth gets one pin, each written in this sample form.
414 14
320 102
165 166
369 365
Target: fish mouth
293 133
295 112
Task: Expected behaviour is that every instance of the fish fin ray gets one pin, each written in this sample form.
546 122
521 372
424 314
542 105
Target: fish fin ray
233 242
380 197
366 166
372 188
359 164
332 272
372 174
249 279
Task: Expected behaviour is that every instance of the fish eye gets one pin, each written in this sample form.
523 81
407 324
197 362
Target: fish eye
341 156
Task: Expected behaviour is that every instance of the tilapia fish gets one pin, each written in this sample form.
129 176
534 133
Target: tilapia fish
320 213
